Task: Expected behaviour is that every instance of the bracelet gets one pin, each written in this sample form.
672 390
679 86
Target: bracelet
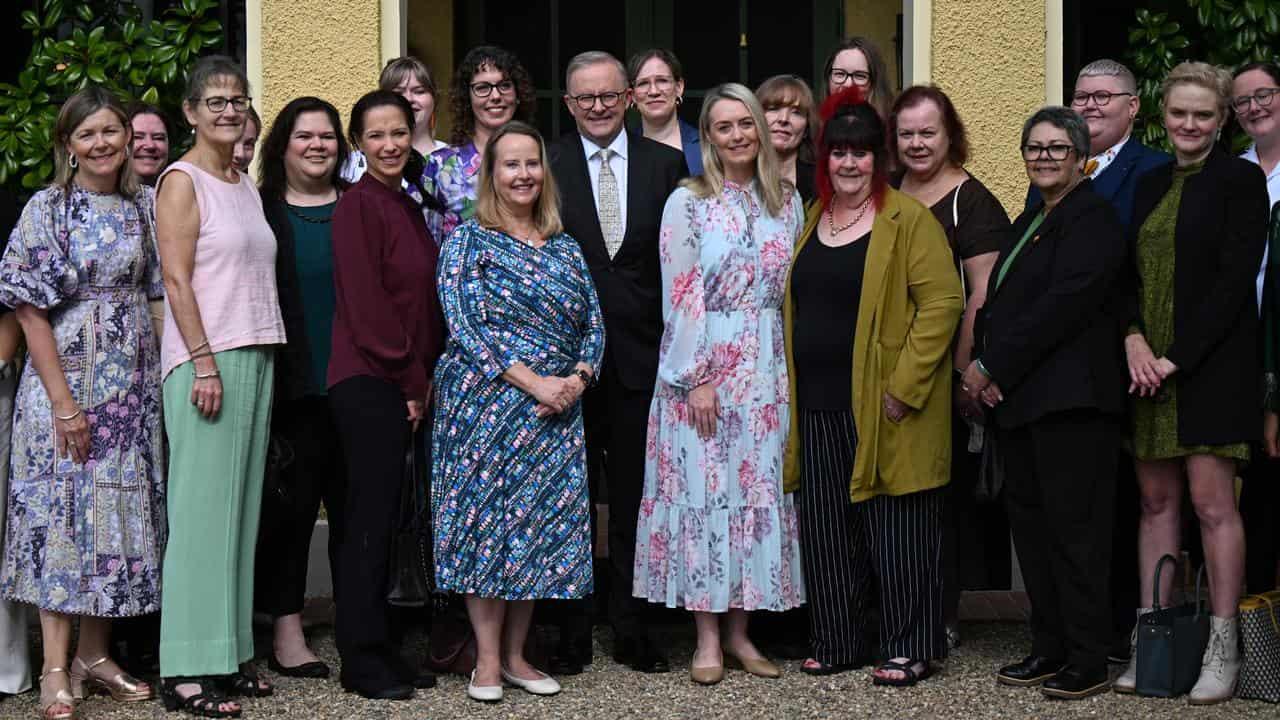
72 416
982 368
208 375
587 378
206 353
204 343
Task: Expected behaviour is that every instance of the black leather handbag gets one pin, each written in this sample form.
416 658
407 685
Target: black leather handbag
1171 641
991 472
411 571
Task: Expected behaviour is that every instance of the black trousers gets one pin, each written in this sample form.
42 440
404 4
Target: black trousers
889 544
616 422
975 536
1260 510
1124 549
311 469
369 414
1060 493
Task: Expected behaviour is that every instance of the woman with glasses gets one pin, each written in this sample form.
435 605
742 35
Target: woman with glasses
657 84
490 87
1192 354
1049 366
857 62
222 323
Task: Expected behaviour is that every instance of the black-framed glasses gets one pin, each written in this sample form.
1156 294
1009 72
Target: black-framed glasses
1055 151
1261 96
861 78
607 99
218 103
484 89
1099 97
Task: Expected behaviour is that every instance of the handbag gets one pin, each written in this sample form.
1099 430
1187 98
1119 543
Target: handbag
411 571
991 468
1171 641
1260 647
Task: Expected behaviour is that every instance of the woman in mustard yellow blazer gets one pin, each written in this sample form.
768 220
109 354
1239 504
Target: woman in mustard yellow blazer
871 306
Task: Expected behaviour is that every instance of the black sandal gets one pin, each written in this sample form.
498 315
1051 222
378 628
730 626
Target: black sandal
910 676
819 668
246 683
205 702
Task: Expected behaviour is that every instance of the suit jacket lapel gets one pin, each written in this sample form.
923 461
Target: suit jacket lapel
580 194
1109 182
637 186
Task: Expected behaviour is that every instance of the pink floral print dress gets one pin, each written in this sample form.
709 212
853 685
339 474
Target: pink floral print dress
715 530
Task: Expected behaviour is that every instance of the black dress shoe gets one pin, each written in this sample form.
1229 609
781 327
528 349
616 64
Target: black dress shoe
385 692
1074 683
315 669
564 662
420 679
641 654
1033 670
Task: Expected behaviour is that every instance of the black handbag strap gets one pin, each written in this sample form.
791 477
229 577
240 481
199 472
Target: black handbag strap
1155 591
1200 586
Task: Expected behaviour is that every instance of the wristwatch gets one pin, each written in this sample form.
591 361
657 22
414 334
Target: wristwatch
587 378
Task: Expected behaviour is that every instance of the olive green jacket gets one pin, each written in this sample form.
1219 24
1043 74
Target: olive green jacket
910 304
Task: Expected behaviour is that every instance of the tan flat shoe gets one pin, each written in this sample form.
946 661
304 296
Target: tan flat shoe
122 687
760 667
706 675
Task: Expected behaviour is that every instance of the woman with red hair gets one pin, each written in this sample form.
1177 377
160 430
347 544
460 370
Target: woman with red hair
870 308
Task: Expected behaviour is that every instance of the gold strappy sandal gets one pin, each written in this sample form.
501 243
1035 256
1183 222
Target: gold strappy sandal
123 687
50 700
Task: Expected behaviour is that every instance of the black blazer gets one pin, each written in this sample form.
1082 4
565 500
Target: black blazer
293 359
629 285
1218 242
1052 333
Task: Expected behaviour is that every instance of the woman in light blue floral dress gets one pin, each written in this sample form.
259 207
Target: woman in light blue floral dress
716 534
86 521
490 87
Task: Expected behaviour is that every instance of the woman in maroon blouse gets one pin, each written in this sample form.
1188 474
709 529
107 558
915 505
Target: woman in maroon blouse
387 334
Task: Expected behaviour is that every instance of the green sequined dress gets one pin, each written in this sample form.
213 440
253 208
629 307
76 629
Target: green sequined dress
1155 420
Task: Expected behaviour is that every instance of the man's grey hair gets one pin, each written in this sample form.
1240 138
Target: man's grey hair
1110 68
1063 119
593 57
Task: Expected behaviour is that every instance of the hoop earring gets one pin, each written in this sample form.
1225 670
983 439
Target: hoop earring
73 162
679 99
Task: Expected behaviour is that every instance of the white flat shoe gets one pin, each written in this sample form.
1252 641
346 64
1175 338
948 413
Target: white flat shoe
484 693
545 685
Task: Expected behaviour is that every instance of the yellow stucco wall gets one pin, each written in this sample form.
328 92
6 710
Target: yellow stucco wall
878 20
989 57
326 48
431 40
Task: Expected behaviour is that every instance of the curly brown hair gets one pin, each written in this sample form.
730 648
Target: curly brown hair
478 58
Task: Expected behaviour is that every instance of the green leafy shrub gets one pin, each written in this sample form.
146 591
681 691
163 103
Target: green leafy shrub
98 41
1223 32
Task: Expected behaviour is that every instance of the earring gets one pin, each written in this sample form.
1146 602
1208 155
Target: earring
679 99
73 162
128 152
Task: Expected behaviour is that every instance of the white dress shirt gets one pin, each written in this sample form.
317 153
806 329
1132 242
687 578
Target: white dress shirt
1273 192
617 163
1104 159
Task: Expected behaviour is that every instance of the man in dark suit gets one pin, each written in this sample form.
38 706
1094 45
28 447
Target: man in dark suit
1106 96
613 186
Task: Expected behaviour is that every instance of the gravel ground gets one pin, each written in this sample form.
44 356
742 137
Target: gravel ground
965 688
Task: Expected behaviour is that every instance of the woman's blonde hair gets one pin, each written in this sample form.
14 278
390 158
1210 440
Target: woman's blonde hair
546 210
74 112
1201 74
768 175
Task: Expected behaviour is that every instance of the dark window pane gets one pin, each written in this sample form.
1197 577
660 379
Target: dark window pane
779 41
523 28
706 41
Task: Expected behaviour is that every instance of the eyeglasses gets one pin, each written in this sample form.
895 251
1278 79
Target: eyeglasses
861 78
1054 152
483 89
607 99
1100 98
217 103
1262 96
662 84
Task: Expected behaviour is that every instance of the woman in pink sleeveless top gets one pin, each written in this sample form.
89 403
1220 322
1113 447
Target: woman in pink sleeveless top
222 319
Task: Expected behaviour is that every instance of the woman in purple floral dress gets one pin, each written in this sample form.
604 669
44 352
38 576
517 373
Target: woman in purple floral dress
716 533
86 521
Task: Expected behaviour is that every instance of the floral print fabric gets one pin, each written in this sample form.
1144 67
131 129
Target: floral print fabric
509 489
715 530
88 539
452 175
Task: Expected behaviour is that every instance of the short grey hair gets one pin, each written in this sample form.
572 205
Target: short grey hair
594 57
1063 119
1110 68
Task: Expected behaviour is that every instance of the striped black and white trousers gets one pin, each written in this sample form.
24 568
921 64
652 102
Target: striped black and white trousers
883 552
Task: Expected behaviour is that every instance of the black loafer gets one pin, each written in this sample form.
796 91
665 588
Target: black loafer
641 655
389 692
315 669
1075 683
1033 670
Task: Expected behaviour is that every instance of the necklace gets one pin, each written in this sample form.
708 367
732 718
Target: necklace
307 218
831 217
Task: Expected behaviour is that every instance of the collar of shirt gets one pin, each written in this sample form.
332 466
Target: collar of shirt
1104 158
617 163
617 147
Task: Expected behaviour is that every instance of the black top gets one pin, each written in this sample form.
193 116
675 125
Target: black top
826 287
806 180
984 225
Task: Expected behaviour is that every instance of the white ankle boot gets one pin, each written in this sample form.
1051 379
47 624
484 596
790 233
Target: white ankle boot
1127 683
1221 664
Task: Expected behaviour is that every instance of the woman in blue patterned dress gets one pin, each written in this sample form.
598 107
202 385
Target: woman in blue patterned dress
716 533
526 337
86 522
490 88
